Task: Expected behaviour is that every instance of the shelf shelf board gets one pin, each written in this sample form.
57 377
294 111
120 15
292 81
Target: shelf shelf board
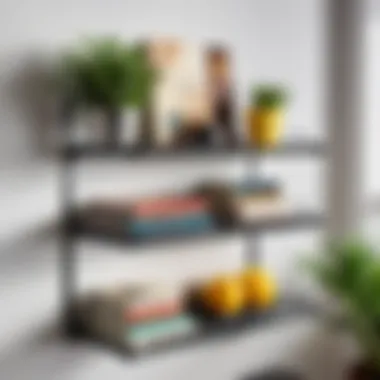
288 308
312 148
298 220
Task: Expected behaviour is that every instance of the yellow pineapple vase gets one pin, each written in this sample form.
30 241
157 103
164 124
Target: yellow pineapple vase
260 289
223 296
265 127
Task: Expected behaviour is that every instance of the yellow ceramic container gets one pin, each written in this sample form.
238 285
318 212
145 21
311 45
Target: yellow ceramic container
224 296
265 127
260 289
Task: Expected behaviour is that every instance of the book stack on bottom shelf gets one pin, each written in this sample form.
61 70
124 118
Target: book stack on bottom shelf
137 318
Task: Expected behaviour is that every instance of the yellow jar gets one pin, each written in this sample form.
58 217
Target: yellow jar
260 289
223 296
265 127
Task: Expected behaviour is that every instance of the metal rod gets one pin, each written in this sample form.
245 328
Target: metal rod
67 258
345 59
251 253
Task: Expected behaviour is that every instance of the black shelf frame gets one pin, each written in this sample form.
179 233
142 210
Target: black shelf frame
296 147
300 220
72 231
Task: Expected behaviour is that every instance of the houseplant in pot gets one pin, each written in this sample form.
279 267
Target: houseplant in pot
142 77
104 76
350 272
266 116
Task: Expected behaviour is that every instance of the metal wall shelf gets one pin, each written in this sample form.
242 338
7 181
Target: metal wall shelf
73 230
288 307
299 220
295 147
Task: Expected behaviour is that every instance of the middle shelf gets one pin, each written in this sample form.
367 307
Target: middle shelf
300 220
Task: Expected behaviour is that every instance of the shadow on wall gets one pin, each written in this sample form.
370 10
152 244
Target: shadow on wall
32 92
28 251
42 355
37 349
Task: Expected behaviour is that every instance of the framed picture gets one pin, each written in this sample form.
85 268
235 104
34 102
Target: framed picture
192 102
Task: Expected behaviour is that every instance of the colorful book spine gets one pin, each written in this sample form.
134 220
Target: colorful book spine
167 207
260 210
156 311
113 310
185 224
145 336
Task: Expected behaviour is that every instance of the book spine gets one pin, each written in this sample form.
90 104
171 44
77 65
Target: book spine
153 312
148 335
191 224
167 206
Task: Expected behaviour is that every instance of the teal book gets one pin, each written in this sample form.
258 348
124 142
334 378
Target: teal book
144 336
184 224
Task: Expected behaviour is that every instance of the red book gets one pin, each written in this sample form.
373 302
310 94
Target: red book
158 311
166 207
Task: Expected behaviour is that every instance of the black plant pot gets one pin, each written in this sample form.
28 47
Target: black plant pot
274 375
364 371
114 123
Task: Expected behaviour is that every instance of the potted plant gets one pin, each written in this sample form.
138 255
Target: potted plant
104 77
350 272
266 116
142 77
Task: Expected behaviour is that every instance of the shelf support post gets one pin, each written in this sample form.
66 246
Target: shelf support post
344 102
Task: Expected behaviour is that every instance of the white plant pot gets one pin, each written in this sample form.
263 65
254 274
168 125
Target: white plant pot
130 127
89 126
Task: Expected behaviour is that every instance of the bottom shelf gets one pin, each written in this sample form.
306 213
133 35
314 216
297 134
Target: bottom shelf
212 329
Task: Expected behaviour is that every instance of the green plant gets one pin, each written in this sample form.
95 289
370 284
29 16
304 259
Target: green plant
351 272
106 72
269 96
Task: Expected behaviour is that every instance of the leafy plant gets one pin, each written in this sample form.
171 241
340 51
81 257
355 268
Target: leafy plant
269 96
351 272
106 72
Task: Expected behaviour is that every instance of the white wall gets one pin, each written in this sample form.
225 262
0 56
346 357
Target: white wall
371 128
270 39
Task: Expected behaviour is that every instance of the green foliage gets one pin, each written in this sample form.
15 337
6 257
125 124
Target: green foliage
351 272
105 72
269 96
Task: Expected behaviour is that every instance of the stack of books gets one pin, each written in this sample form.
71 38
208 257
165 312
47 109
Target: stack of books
137 318
170 216
259 198
150 218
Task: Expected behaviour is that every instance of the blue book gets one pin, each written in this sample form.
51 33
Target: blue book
257 185
146 335
184 224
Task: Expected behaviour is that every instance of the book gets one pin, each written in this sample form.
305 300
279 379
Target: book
153 311
190 224
104 313
168 207
257 186
262 208
147 336
105 217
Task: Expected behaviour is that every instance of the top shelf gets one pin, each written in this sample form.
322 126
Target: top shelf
295 147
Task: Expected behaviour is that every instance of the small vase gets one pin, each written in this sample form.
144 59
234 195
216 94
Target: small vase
265 127
130 127
88 126
113 126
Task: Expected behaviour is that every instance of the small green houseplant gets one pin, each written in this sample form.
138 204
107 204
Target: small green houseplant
350 272
107 75
266 115
269 96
